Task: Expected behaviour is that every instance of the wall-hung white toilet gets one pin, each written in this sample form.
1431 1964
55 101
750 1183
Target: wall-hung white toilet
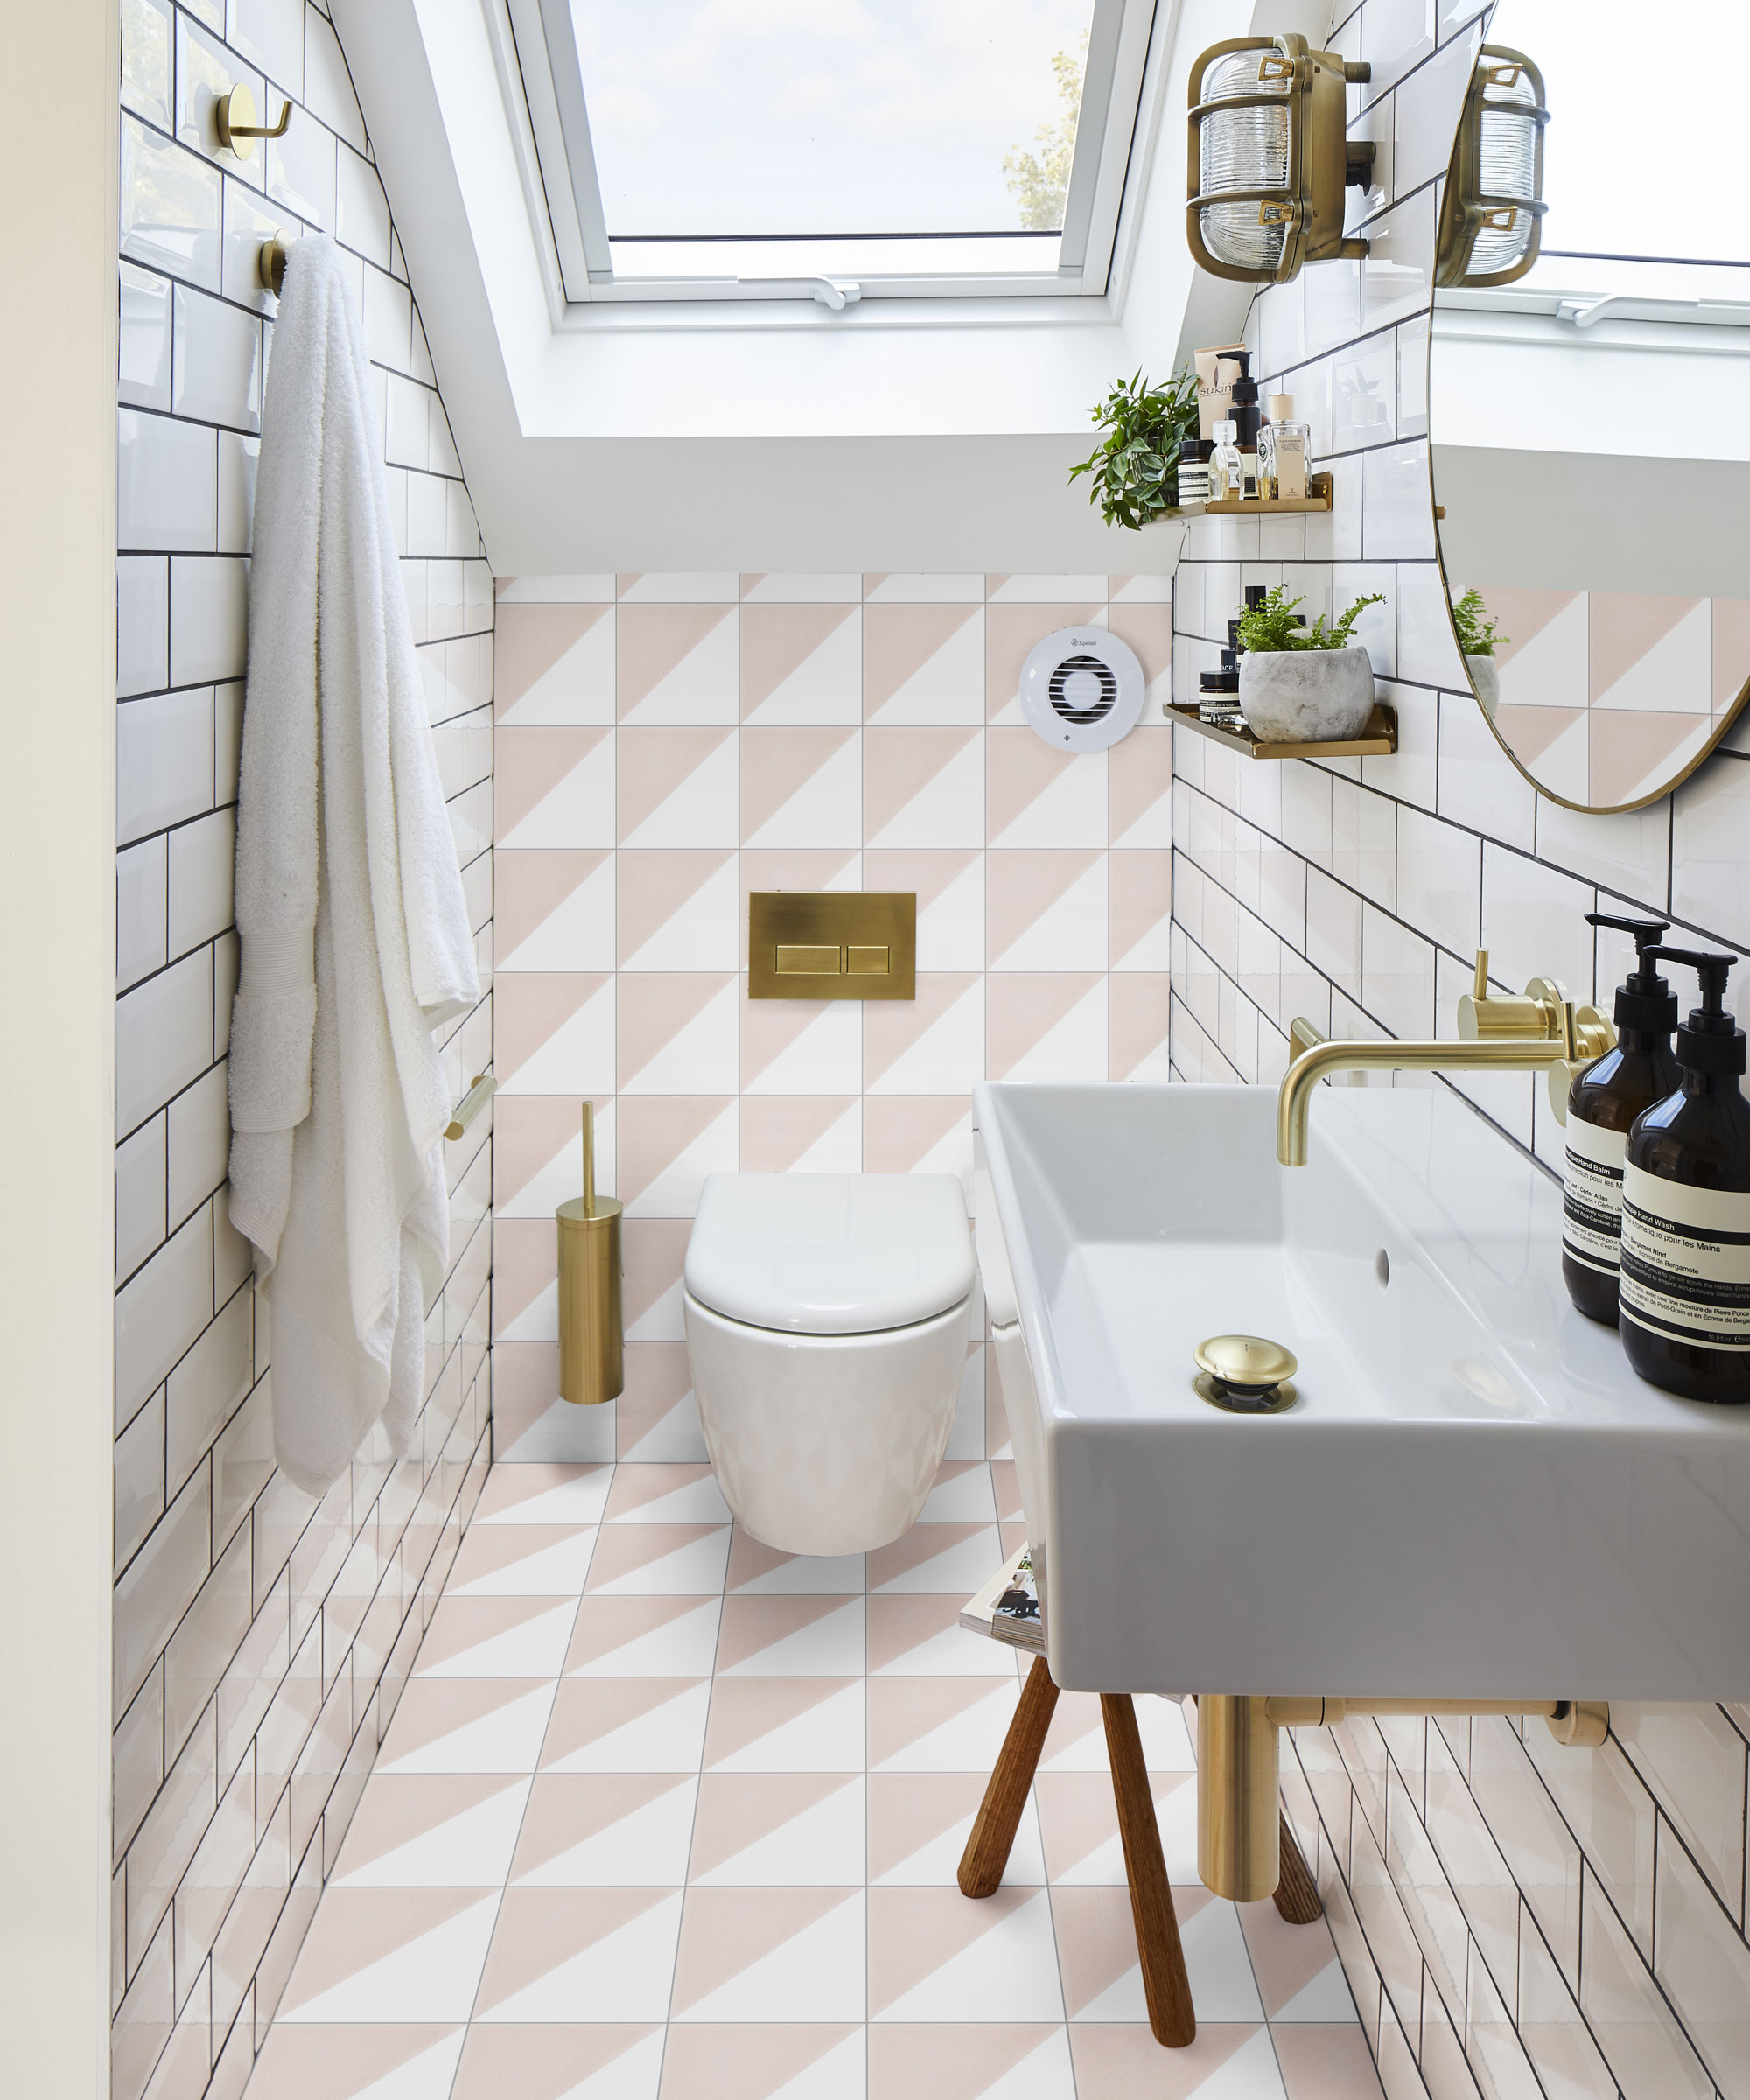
827 1321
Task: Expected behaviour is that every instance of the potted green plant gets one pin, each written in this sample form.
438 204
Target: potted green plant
1135 468
1478 636
1301 684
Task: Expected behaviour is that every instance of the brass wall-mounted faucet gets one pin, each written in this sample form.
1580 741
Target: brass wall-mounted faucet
1543 1029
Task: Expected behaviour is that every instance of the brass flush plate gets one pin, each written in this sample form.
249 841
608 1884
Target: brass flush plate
832 944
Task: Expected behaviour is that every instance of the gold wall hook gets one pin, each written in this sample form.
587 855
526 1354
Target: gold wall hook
234 118
270 266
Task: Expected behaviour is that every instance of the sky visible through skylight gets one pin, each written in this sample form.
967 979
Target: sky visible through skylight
1644 152
824 116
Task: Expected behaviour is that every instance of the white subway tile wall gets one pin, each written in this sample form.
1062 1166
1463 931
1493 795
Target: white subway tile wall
262 1640
1515 1918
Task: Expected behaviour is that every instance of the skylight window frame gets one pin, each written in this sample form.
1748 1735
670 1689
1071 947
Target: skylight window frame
1109 144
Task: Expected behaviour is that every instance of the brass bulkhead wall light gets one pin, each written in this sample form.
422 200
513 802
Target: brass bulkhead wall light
1269 160
1492 219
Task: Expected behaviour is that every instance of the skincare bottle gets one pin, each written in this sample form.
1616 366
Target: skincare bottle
1282 451
1603 1103
1224 465
1218 692
1244 416
1215 370
1685 1289
1194 472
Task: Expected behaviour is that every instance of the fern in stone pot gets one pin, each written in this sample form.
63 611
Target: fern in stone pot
1300 685
1478 637
1135 469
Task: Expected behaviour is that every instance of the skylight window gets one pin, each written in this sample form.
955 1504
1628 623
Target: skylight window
854 148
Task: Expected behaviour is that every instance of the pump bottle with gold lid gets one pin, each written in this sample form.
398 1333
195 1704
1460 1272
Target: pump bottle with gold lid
1685 1289
1606 1097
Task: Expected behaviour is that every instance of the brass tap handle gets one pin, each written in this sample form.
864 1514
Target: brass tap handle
1539 1013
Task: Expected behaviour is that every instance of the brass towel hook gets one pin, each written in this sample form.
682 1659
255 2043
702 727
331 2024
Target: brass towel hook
233 116
270 266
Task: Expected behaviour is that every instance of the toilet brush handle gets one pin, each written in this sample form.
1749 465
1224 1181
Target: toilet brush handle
588 1159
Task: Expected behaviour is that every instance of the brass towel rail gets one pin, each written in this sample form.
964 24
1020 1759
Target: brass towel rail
472 1102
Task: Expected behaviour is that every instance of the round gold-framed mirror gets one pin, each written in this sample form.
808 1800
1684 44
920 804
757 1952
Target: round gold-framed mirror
1589 395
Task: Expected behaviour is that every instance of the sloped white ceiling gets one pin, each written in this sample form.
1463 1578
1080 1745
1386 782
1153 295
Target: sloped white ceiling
774 441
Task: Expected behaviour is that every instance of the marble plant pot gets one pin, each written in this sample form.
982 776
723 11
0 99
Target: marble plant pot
1485 678
1306 695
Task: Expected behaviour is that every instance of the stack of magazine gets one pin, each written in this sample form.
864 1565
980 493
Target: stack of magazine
1008 1607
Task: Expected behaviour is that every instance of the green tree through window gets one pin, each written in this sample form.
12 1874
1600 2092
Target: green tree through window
1038 179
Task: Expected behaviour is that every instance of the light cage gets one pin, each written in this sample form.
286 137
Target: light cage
1491 222
1269 160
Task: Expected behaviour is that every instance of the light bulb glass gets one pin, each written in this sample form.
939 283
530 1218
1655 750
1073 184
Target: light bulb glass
1245 148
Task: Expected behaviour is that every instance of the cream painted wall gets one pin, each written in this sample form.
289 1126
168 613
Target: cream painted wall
58 173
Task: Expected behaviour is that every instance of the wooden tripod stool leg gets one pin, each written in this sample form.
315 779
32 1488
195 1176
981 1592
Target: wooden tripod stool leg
1297 1893
1172 2017
1000 1813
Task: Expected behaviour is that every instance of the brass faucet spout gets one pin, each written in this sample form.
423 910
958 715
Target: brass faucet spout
1496 1054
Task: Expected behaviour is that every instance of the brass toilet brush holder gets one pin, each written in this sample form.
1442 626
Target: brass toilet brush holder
591 1339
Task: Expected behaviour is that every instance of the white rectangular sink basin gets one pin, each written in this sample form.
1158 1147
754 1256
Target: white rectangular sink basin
1474 1496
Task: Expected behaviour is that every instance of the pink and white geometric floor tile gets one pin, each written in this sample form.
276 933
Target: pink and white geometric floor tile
666 1814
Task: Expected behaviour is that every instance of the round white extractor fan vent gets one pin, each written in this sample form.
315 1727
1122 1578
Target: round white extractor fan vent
1082 689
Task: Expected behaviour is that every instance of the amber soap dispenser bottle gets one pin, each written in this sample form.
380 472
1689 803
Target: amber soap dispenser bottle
1603 1101
1685 1292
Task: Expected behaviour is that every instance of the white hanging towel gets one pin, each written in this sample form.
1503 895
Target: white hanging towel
355 937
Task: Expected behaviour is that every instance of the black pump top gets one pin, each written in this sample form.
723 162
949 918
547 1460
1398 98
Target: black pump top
1712 1041
1645 1001
1245 387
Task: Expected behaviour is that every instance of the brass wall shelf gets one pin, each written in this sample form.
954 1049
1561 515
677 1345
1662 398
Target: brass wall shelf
1377 741
1318 497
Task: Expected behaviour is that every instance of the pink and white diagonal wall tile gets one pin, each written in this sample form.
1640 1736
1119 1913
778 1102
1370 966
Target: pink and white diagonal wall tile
668 744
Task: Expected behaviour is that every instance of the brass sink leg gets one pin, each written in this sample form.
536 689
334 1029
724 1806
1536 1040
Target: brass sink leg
1245 1849
1239 1842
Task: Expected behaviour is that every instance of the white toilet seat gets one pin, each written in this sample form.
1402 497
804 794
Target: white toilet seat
827 1321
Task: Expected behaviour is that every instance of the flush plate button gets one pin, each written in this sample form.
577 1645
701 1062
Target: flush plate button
832 944
796 959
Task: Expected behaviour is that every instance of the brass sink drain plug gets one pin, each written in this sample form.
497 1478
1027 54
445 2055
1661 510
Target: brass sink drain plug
1245 1373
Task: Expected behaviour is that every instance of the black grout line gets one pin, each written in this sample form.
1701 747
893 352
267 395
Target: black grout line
1486 839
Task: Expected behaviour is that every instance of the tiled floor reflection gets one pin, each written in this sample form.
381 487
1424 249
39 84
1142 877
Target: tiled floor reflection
665 1815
